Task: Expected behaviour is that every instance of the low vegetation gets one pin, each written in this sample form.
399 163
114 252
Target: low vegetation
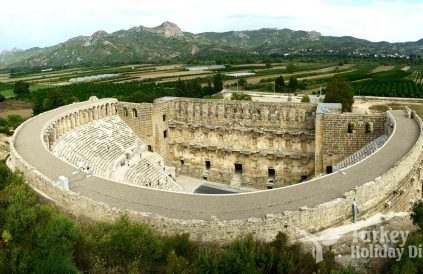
7 125
305 99
36 238
409 264
240 96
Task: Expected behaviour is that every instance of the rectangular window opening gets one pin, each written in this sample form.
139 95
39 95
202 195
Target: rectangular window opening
238 168
271 173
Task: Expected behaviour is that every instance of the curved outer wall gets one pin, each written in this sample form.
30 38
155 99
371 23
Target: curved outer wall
394 190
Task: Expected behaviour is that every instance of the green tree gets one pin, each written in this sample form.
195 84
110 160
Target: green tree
206 260
5 175
2 98
293 84
246 255
289 258
4 126
127 246
21 89
39 240
14 121
339 91
53 100
177 264
279 84
243 84
218 82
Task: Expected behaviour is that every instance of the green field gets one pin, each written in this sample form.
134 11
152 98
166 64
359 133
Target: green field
395 83
8 93
144 83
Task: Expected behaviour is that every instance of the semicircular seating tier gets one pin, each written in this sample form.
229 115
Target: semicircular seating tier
108 148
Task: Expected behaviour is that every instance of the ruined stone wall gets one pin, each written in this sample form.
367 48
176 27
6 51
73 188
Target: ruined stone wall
396 190
276 144
139 117
286 116
340 135
273 142
161 113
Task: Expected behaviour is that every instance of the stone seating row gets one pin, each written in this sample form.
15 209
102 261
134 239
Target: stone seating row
101 146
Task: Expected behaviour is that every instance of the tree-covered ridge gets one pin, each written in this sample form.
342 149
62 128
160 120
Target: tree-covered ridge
167 43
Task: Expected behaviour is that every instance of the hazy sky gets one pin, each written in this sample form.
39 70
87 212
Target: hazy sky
28 23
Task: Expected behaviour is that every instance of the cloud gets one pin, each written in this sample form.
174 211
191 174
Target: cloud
25 23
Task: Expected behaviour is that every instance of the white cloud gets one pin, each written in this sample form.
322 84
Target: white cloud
26 23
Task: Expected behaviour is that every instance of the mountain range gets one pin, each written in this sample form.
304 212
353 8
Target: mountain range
167 43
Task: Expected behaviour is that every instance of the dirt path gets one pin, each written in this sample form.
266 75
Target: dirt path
13 107
382 68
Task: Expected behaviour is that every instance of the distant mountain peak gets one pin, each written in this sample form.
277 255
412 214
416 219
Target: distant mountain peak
168 29
168 42
314 35
99 34
167 24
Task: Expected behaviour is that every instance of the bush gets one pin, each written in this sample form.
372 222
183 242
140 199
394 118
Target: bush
305 99
417 214
240 96
279 84
21 89
14 121
4 126
9 124
407 264
2 98
5 175
218 82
